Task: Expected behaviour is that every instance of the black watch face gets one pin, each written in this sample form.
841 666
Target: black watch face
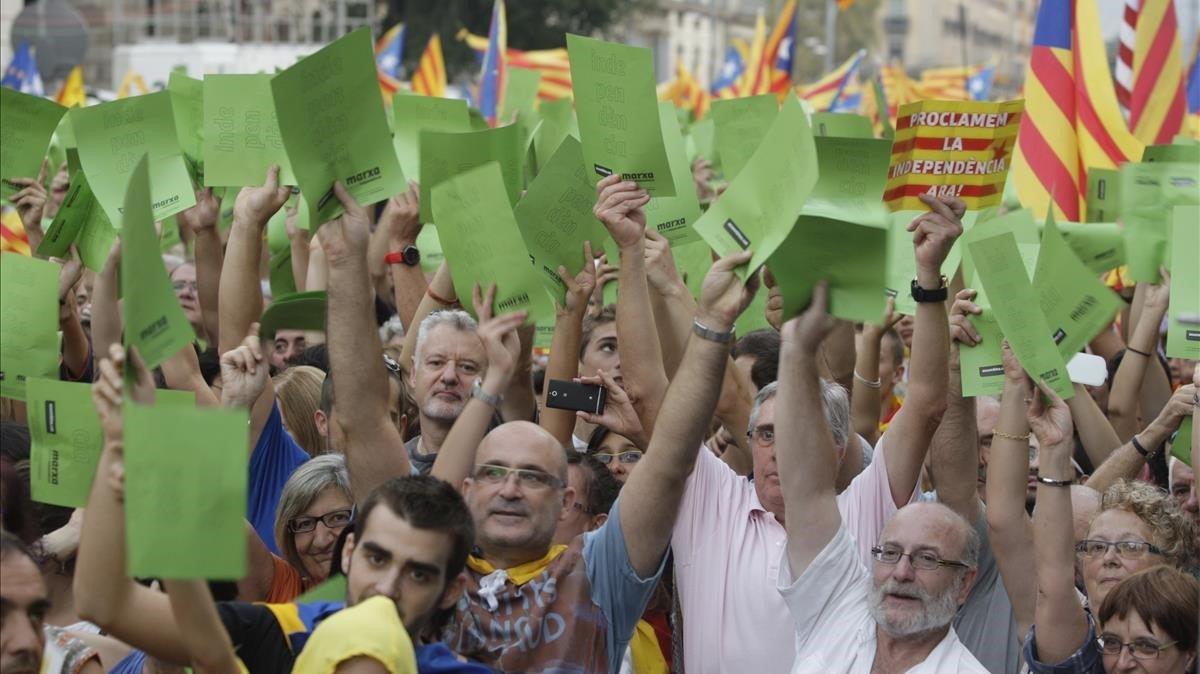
412 256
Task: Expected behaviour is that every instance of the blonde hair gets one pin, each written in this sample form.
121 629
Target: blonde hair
1173 531
299 392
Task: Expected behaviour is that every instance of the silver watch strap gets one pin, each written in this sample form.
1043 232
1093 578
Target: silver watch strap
704 332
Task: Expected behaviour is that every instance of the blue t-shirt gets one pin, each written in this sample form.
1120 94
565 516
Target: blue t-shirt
437 659
275 457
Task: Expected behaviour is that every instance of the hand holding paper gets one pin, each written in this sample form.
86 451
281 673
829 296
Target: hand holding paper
257 204
934 234
619 205
345 238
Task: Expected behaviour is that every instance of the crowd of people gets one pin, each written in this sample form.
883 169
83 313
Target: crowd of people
815 496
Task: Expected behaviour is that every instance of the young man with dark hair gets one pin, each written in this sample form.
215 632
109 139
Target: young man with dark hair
757 353
595 491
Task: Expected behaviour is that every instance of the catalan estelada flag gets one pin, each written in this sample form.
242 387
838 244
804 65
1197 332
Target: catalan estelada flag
839 90
726 83
1157 103
553 65
685 92
748 85
430 77
775 72
1071 122
495 66
389 51
72 92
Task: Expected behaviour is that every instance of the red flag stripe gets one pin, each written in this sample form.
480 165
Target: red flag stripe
1148 74
1049 168
1172 122
1086 114
968 144
1058 83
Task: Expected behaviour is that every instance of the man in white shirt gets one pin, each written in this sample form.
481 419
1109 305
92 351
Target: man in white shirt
898 617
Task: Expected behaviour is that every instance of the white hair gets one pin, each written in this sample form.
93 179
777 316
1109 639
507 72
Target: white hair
833 398
455 318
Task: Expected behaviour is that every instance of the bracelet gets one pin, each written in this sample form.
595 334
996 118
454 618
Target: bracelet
1054 483
439 299
478 393
1141 449
704 332
1010 436
1140 353
868 383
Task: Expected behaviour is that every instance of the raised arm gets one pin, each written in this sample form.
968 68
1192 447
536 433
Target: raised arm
300 243
202 220
31 203
241 301
1061 625
1095 433
1139 362
1010 530
564 346
619 206
1129 458
909 434
104 594
838 357
402 224
76 352
208 645
650 498
456 457
245 380
374 449
182 373
670 299
955 447
439 295
106 312
864 396
804 446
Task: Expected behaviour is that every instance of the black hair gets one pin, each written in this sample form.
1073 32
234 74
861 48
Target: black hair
210 364
608 314
9 544
426 503
601 487
316 356
763 345
896 344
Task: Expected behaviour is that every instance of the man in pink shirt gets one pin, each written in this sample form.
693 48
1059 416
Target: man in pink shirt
729 538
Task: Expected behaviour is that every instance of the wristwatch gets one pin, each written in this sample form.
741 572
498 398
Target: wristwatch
409 255
478 392
704 332
938 294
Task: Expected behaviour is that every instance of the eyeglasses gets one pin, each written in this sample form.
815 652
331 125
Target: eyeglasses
926 560
764 435
180 285
631 456
391 364
1141 649
332 520
1126 549
529 479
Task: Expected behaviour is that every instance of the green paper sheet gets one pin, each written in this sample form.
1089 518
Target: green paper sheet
740 125
762 203
1103 195
842 125
1183 325
1174 152
185 492
1100 245
1077 306
1181 445
277 236
187 105
431 249
280 276
673 217
334 126
755 315
168 234
414 114
66 440
241 132
114 136
29 121
703 134
333 589
154 321
446 155
1002 272
982 366
1020 222
520 94
558 122
841 234
229 200
478 123
693 260
901 263
617 106
1148 192
295 311
72 215
28 322
555 217
96 238
483 243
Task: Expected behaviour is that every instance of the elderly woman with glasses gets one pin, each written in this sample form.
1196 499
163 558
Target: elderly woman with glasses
1139 535
314 508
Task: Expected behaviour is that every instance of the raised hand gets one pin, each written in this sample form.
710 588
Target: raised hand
257 204
961 329
660 263
619 205
605 273
581 286
808 330
244 372
1158 294
31 199
934 234
499 336
619 415
1050 420
204 216
774 308
345 238
723 297
402 217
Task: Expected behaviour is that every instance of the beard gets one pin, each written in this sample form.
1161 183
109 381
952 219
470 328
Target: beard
933 614
443 410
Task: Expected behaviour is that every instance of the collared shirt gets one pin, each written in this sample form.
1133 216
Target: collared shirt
834 629
727 550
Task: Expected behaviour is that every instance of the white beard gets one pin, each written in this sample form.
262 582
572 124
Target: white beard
934 614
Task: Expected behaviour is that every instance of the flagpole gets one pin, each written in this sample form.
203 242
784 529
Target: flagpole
830 32
962 19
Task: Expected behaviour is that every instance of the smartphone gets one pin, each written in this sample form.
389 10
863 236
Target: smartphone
563 394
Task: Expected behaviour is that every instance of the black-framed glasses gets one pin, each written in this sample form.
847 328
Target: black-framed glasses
490 473
628 456
1141 649
763 435
1131 549
926 560
332 520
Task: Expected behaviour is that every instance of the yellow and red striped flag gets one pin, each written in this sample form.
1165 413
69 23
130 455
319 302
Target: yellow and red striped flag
1071 122
551 63
13 238
72 92
774 73
947 83
838 91
430 77
685 92
748 85
843 5
1156 104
